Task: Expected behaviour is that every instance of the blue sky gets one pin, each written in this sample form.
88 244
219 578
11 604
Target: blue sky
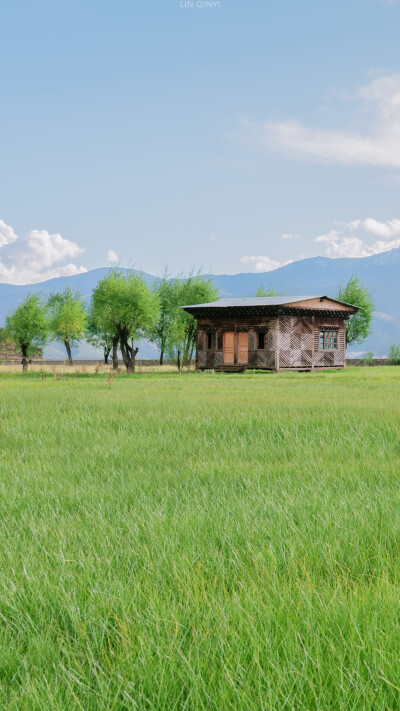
233 137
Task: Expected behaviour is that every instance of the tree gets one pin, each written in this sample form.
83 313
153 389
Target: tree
97 336
67 318
358 325
394 354
102 329
28 327
168 293
195 289
126 309
260 291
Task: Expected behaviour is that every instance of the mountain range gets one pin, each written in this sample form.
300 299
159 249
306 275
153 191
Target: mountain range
317 275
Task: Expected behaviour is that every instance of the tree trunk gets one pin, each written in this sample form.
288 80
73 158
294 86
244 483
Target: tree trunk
69 354
190 343
128 354
185 355
163 346
115 352
178 361
106 354
122 346
134 354
24 361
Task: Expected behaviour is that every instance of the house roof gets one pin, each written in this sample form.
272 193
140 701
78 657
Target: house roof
257 301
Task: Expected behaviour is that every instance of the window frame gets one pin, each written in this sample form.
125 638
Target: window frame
327 337
211 341
261 335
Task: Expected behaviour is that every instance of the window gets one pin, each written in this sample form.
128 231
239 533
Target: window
211 341
328 340
260 341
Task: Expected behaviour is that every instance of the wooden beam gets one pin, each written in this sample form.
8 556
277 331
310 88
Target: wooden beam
277 345
312 342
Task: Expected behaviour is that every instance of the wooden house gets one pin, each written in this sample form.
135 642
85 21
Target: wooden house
271 333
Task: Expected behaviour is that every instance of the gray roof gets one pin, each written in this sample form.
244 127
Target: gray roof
253 301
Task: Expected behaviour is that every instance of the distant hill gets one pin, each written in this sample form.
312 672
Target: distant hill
318 275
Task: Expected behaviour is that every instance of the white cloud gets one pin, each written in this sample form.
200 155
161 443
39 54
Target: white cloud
7 234
42 249
36 257
289 235
331 236
378 145
354 224
112 257
341 244
382 229
263 264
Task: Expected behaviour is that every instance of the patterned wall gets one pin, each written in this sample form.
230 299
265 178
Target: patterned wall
330 359
295 337
299 343
295 342
214 358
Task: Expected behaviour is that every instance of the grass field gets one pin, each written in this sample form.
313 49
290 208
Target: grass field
200 542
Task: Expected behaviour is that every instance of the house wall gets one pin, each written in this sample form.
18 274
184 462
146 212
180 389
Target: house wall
295 342
330 359
291 342
298 342
257 358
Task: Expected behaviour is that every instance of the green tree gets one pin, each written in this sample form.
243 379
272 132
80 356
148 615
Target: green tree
260 291
126 309
98 336
195 289
369 358
102 329
394 354
67 318
168 292
358 326
28 327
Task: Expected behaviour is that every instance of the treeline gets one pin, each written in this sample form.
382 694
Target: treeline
122 311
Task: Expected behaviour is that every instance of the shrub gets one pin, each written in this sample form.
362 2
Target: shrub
369 358
394 355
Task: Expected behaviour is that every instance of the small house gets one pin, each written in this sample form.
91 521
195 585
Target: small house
271 333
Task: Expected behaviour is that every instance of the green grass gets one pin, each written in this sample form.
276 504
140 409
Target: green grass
200 541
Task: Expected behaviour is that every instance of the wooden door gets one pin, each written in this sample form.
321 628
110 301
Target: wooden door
229 348
243 347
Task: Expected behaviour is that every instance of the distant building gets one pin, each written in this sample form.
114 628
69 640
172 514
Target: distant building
271 333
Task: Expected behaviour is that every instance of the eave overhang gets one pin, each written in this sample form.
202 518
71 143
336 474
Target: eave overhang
232 312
